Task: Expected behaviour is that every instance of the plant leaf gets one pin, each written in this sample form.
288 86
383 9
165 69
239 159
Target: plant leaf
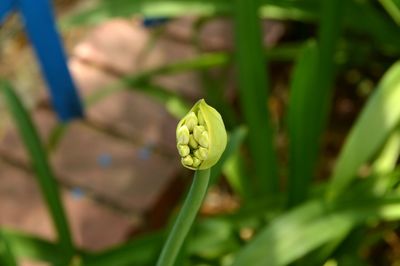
40 164
303 131
378 118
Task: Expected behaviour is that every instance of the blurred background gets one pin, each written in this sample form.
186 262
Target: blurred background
139 65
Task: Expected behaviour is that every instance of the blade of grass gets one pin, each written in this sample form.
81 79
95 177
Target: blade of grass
386 161
378 118
173 8
55 136
235 139
309 226
301 124
30 247
381 29
328 35
39 161
392 9
7 257
356 14
253 87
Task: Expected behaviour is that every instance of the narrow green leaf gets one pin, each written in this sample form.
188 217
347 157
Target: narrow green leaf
7 257
294 10
379 28
235 139
387 159
39 161
303 102
235 173
55 137
309 226
393 9
378 118
30 247
253 87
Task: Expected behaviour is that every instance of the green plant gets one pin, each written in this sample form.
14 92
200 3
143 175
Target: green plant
201 140
300 221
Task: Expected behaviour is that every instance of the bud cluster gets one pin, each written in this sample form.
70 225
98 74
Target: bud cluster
193 140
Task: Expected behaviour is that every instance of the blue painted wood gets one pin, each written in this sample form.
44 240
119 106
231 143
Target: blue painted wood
40 25
154 22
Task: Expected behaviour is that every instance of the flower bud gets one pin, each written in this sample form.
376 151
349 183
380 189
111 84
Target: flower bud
182 135
201 137
192 142
200 118
188 160
183 150
191 121
201 153
203 140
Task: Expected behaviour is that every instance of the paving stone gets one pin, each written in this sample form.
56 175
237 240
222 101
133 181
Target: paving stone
123 47
119 45
21 206
129 113
217 34
182 28
94 227
126 174
11 145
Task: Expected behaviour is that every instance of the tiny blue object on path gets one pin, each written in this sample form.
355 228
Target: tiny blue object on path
104 160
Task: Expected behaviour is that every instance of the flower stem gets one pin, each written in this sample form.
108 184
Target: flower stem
185 218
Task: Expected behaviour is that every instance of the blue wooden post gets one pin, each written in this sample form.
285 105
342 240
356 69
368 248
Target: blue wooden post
39 23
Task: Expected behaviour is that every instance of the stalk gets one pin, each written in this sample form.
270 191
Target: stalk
185 218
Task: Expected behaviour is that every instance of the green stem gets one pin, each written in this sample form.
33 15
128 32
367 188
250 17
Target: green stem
185 218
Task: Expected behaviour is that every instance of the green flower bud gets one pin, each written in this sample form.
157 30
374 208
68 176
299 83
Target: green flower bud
208 140
203 140
201 153
191 121
196 162
188 160
192 142
182 135
197 131
200 118
183 150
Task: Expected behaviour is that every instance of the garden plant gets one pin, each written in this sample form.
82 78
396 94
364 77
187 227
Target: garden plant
290 212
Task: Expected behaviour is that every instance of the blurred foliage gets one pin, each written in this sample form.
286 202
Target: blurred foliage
304 222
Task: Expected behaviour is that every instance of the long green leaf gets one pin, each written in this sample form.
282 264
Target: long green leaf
171 8
7 257
33 248
386 161
301 124
392 8
253 87
235 140
311 225
39 161
378 118
357 13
